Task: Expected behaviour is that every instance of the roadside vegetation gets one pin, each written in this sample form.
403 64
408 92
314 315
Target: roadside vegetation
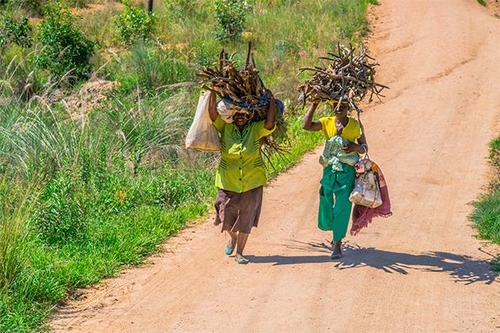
96 98
487 208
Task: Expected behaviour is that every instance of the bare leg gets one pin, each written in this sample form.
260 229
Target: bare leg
232 242
240 246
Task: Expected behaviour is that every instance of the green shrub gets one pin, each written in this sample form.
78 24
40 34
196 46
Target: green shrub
134 24
230 17
12 31
64 47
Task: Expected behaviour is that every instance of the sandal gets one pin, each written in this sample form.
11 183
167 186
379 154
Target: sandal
241 260
229 250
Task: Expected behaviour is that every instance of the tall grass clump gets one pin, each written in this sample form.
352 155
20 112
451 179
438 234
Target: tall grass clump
27 7
17 311
38 143
13 233
148 67
18 80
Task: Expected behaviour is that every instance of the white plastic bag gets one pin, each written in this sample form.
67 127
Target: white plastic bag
366 190
202 134
226 111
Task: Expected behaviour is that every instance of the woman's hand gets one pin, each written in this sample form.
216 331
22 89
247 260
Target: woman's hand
347 147
351 146
271 112
212 106
270 93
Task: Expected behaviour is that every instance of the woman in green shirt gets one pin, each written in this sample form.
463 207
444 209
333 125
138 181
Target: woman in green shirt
344 142
241 174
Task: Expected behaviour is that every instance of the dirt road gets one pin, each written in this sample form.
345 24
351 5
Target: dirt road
422 270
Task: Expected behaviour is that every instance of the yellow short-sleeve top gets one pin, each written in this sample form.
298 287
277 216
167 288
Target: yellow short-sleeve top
351 132
241 167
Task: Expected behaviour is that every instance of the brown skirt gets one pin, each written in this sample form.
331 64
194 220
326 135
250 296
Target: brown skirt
238 211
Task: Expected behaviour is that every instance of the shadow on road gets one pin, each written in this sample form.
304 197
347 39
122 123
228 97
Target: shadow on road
461 268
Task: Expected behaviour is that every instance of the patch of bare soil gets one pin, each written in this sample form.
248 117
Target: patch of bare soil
421 270
92 94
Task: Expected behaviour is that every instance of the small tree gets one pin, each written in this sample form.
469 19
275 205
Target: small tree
230 16
12 31
65 48
134 23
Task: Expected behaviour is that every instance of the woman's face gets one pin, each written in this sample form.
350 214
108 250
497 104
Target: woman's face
240 119
342 110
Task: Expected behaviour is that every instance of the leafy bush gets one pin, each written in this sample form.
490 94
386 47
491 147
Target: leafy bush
12 31
134 24
65 48
230 17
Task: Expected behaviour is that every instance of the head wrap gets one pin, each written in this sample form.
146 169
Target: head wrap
227 110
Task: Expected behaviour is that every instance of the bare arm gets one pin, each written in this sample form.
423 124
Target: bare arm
271 112
308 124
361 147
212 107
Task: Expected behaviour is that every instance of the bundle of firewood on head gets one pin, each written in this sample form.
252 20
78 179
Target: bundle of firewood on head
346 79
243 91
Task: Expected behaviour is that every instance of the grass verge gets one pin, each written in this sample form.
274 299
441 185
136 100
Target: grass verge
487 208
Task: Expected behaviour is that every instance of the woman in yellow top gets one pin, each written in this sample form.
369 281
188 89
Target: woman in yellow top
241 174
345 141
